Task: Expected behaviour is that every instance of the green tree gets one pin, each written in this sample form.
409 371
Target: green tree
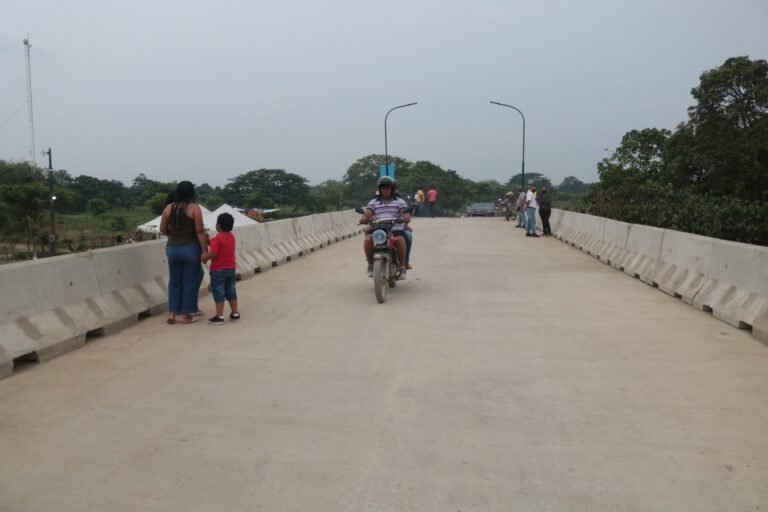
156 203
531 178
98 207
723 148
284 188
25 204
360 178
329 195
257 199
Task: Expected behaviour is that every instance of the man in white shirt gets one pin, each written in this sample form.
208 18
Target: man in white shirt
530 200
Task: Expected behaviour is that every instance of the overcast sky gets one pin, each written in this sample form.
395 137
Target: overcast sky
207 90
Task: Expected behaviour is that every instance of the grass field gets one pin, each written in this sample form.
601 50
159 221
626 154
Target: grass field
101 230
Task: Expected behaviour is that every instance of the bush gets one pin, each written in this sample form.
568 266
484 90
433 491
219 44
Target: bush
725 217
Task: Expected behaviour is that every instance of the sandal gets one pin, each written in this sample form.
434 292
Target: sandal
171 321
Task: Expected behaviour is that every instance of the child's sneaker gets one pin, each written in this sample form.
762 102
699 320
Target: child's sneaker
234 317
216 320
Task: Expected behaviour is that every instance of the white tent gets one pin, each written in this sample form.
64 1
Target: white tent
153 226
240 220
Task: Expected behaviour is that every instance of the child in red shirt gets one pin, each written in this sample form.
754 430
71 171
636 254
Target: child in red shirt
223 264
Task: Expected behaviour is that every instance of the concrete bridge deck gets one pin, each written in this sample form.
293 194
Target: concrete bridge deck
505 374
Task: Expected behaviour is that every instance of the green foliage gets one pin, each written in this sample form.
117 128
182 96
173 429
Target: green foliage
531 178
156 203
709 176
281 187
329 195
360 178
97 207
118 223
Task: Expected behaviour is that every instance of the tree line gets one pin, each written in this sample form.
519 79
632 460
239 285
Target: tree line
25 197
709 176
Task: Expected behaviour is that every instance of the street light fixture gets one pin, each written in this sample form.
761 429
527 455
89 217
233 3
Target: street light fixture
52 202
386 151
522 179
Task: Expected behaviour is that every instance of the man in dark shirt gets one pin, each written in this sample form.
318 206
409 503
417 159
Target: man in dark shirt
545 210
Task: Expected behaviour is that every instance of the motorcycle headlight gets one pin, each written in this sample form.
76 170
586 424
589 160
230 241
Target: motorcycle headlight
379 237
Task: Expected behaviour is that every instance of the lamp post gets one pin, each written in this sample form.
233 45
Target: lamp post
51 201
521 114
386 152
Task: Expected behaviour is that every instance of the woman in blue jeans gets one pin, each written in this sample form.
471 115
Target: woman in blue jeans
182 222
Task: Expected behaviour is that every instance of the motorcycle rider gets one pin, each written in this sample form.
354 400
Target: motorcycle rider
387 205
509 202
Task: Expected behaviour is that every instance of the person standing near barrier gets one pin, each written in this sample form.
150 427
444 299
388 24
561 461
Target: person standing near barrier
520 205
223 269
531 204
418 202
432 200
182 223
545 210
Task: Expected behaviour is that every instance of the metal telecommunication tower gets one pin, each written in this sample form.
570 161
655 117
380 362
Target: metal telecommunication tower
32 152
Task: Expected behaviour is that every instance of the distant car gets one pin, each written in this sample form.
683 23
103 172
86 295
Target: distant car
481 210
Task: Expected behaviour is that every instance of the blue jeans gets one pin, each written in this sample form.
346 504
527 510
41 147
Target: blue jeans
184 276
408 243
531 227
223 285
521 218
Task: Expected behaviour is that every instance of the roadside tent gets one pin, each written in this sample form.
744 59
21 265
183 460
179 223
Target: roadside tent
240 219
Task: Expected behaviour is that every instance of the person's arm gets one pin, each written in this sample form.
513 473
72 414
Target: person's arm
213 253
197 216
367 216
164 220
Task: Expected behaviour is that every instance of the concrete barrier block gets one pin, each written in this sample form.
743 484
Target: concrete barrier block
684 263
643 252
305 232
615 249
586 233
323 228
736 290
132 278
339 227
564 225
555 219
253 241
6 363
282 239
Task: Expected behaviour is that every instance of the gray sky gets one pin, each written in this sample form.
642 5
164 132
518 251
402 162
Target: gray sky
208 90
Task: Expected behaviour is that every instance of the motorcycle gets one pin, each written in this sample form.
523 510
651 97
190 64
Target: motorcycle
385 259
507 209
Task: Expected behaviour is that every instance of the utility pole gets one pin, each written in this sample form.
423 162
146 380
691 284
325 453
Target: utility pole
27 58
51 202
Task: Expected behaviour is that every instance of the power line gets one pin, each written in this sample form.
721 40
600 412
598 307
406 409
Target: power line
10 118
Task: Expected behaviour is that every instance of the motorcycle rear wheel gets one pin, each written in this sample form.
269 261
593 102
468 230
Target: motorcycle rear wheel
380 284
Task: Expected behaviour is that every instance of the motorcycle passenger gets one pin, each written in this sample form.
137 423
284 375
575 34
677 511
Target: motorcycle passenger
387 205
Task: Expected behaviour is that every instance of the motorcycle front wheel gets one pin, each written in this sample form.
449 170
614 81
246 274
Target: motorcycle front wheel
380 284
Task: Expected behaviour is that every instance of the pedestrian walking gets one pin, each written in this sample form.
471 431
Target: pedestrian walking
432 201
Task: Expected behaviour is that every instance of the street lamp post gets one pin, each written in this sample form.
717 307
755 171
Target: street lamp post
386 151
51 201
521 114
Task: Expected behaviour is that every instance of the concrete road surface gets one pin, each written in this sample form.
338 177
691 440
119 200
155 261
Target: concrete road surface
506 374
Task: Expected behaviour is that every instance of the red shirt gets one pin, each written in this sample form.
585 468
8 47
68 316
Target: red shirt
431 195
223 245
